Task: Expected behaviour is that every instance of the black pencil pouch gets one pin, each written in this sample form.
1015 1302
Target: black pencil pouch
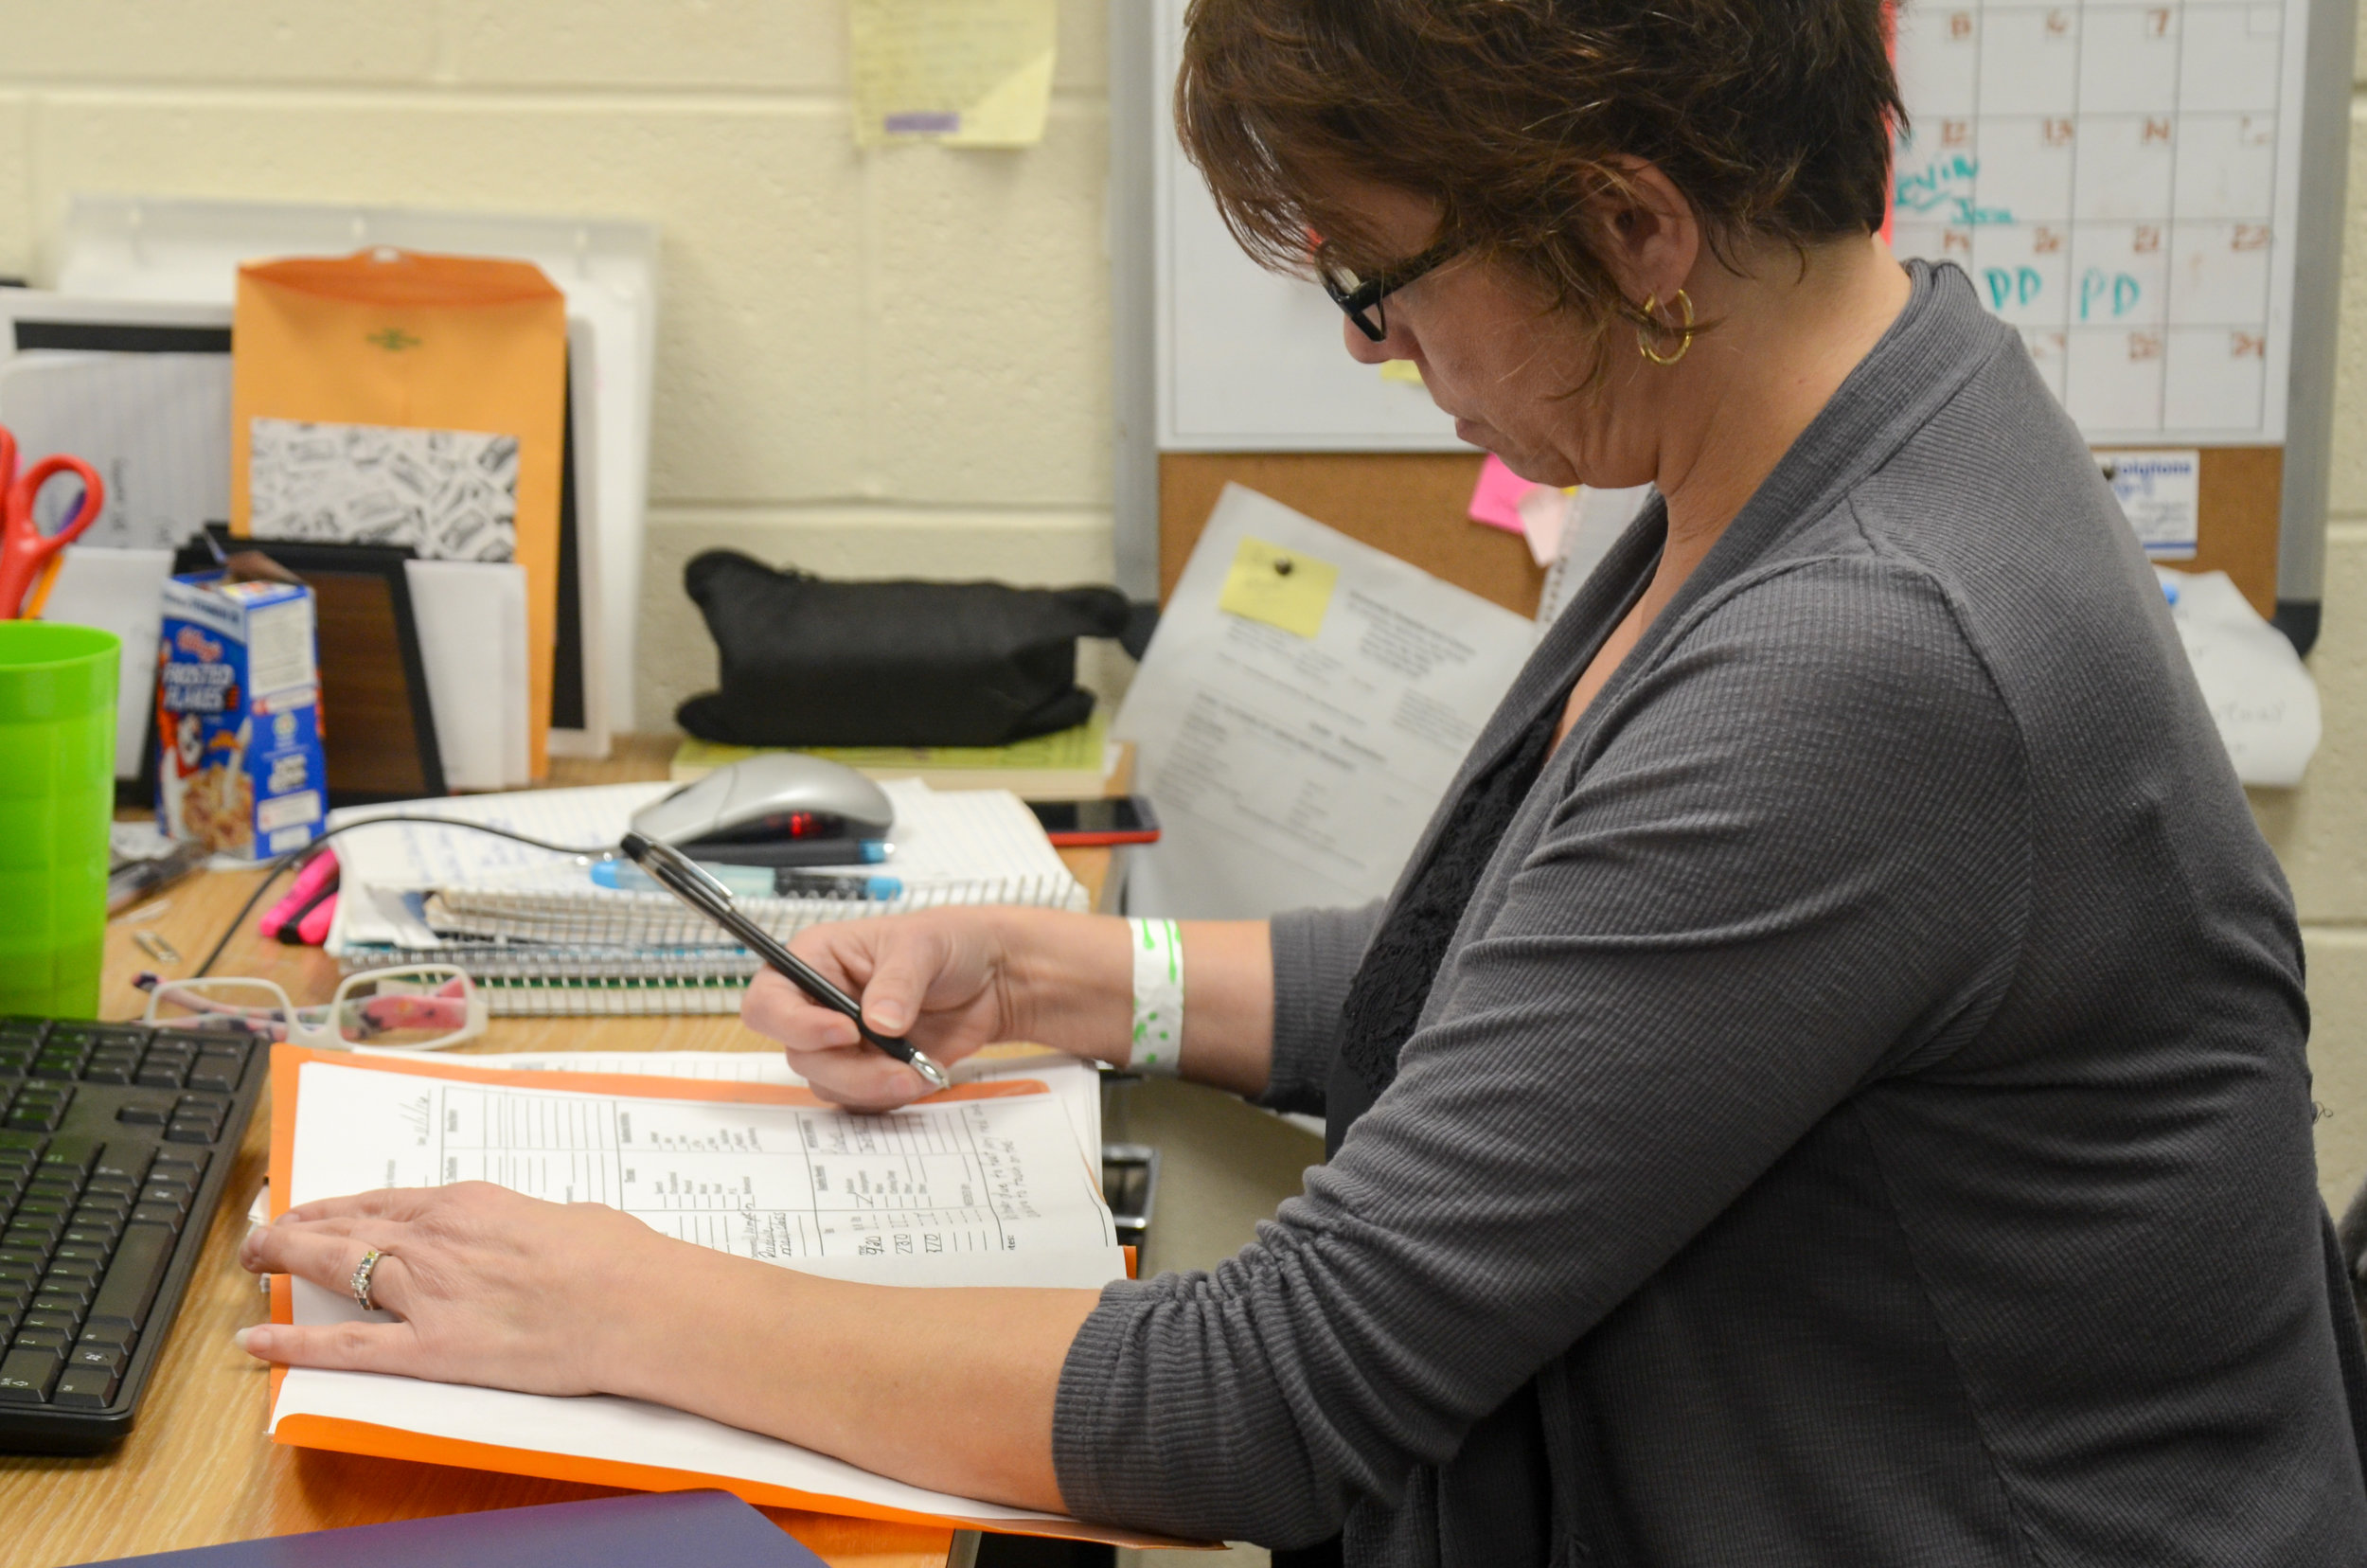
807 662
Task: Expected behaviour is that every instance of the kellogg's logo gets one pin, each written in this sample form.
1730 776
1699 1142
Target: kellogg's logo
198 645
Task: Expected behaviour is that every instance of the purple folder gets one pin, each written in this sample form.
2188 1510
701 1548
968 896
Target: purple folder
691 1529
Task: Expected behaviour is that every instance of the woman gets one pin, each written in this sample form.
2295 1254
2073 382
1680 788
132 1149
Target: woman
1829 1086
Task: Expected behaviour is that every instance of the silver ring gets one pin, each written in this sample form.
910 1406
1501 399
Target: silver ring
359 1283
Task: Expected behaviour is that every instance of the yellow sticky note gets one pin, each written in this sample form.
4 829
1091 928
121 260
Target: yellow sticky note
1281 587
1404 372
968 73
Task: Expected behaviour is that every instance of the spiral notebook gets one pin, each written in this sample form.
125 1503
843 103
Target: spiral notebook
541 937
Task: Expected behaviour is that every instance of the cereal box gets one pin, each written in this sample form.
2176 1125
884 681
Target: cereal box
238 717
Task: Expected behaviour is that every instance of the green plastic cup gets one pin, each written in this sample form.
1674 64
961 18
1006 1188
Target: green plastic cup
57 793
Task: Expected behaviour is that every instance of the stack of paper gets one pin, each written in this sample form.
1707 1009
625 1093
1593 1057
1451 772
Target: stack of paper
986 1185
1076 1084
542 935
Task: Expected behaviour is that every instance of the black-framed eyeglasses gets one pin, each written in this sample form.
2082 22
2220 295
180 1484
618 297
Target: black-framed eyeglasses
1360 298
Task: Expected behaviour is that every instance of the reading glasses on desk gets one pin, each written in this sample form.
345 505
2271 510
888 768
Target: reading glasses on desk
417 1008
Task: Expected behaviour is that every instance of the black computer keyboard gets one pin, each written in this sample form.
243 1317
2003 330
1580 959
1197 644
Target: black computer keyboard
115 1142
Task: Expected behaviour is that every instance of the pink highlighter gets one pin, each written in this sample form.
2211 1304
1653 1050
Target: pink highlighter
302 917
313 931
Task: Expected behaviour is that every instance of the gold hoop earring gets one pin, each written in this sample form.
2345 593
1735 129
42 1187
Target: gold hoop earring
1684 338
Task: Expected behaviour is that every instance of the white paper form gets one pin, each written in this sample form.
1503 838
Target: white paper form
1076 1084
1292 769
2161 495
2121 179
777 1182
352 1134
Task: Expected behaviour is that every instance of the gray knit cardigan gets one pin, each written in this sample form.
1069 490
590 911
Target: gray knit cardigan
1863 1104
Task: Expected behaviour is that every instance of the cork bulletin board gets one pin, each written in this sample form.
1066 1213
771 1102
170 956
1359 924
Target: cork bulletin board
1411 505
2241 488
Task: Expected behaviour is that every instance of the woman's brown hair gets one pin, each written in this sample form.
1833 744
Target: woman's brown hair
1773 117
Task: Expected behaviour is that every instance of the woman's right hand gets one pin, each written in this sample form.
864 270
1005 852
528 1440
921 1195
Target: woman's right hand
948 980
951 980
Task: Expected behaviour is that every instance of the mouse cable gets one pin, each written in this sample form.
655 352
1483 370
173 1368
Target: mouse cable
292 857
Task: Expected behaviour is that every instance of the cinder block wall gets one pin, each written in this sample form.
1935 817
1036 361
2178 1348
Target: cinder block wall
893 362
2320 830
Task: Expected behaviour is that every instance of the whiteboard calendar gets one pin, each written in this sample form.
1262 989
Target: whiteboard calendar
2120 179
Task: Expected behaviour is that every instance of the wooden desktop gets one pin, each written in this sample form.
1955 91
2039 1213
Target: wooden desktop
197 1469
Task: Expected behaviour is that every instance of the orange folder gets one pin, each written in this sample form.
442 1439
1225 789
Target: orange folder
363 1438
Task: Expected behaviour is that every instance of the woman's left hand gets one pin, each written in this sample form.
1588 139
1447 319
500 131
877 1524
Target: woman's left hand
508 1292
492 1287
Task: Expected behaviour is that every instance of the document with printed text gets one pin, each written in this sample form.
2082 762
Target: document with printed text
983 1191
1303 707
779 1183
1076 1084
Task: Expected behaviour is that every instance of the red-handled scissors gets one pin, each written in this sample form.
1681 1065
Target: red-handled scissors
24 548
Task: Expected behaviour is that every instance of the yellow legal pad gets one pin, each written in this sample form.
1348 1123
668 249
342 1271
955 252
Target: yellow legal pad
1069 764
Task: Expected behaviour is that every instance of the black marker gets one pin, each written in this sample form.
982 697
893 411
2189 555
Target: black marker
688 881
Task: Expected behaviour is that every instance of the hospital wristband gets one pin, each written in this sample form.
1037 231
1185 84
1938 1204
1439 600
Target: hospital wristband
1158 1036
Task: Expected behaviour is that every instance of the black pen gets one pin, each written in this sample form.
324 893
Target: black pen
688 881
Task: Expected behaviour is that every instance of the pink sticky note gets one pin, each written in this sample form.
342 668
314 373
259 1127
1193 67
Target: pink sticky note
1496 499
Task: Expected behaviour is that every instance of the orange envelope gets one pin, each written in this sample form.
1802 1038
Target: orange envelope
388 397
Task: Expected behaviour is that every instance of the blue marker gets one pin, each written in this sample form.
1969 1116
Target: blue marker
745 881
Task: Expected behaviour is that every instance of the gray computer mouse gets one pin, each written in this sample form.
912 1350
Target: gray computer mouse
778 796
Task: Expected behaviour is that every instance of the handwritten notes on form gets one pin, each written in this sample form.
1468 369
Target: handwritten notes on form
2120 178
